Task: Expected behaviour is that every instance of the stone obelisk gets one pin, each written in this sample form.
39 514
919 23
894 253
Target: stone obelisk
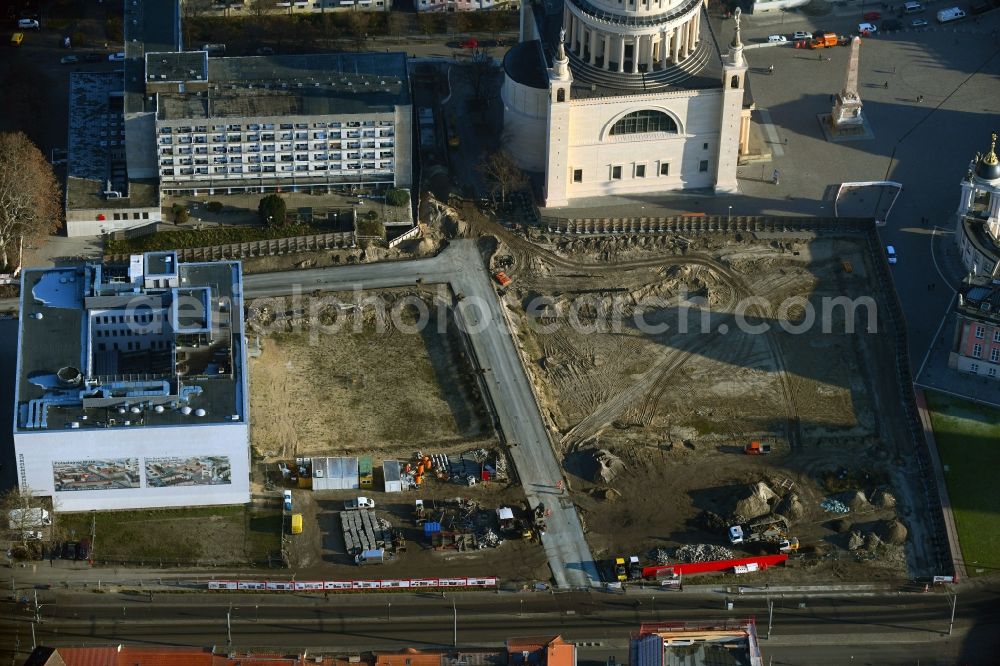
846 112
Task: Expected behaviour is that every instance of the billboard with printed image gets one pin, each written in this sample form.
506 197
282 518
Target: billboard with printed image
115 474
189 471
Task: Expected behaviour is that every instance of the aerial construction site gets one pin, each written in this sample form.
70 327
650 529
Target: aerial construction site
706 396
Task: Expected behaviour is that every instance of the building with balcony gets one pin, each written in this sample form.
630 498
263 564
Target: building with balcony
311 123
465 5
978 215
976 347
608 97
245 7
131 387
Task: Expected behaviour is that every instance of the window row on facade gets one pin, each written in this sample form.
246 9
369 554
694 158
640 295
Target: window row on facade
277 169
637 170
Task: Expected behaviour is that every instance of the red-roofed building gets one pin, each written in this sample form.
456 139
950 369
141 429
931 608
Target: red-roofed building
540 651
143 656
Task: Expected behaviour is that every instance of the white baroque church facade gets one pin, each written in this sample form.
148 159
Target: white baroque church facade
618 97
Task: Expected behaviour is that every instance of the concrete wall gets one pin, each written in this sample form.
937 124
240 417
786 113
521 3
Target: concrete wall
85 222
36 451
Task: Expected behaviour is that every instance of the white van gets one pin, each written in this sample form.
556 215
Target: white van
913 7
950 14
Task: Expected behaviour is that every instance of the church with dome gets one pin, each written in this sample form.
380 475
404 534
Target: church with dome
978 224
621 97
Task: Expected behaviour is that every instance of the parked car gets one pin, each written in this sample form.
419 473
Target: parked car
27 24
359 503
872 16
801 34
116 57
776 39
867 29
287 499
470 43
69 60
918 23
890 253
265 50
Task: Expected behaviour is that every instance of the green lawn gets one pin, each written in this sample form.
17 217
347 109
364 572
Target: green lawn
171 537
190 238
968 439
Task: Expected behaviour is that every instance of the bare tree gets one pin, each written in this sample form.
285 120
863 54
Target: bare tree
20 514
193 9
480 73
30 199
260 8
502 172
396 24
357 28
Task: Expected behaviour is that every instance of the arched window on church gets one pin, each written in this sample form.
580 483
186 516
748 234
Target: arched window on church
561 95
735 81
639 122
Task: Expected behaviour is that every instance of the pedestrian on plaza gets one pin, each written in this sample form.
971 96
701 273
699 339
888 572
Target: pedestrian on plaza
920 98
886 85
770 69
775 177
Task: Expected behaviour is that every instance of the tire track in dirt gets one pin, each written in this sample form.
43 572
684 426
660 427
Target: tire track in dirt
740 287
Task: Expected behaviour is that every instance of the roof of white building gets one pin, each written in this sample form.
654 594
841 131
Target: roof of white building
152 343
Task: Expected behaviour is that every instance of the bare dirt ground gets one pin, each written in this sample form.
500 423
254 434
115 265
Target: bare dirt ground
383 392
366 389
652 423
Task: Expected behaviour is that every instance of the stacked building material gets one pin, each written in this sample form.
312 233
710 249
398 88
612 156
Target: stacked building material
363 531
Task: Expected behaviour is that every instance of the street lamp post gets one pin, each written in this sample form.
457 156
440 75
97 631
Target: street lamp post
730 218
454 635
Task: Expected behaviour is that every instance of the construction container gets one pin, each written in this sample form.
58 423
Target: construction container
365 477
296 523
393 479
339 473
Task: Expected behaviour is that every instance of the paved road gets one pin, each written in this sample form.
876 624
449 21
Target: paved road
395 621
461 267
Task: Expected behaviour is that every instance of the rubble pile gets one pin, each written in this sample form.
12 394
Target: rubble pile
883 499
488 539
892 532
791 507
702 552
755 503
831 505
855 541
660 556
857 501
608 466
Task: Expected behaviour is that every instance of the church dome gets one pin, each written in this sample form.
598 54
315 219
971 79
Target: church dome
988 168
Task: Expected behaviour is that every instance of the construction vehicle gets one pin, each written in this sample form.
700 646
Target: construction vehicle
825 40
757 448
502 279
375 556
621 573
788 545
634 568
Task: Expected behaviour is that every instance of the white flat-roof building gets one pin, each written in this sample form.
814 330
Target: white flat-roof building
131 386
